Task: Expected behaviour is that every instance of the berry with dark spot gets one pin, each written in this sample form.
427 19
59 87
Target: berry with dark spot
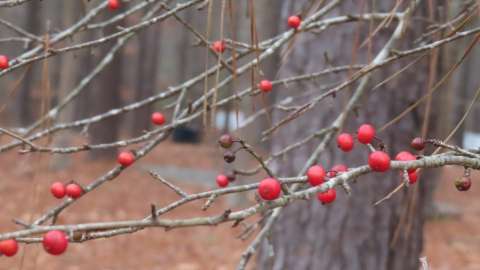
464 183
226 141
418 144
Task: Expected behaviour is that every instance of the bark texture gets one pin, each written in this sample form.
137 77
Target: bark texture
351 234
107 95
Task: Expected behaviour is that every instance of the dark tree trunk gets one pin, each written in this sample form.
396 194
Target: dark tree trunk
107 95
24 104
146 75
351 233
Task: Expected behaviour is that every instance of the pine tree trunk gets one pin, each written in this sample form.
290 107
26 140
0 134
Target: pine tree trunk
107 95
351 233
24 99
146 76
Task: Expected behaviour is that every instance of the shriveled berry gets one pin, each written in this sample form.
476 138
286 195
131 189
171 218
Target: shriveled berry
125 158
74 190
269 189
294 21
366 133
222 180
226 141
345 142
327 196
9 247
55 242
379 161
158 118
4 62
58 190
464 183
218 46
265 86
337 169
229 156
316 175
231 176
418 144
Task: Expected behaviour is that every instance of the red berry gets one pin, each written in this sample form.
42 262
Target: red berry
265 86
412 177
113 4
58 190
218 46
405 156
345 142
269 189
158 118
9 247
379 161
418 144
316 175
294 21
336 169
74 191
4 62
366 133
125 158
55 242
222 180
327 196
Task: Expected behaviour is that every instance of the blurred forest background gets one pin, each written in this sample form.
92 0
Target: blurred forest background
167 54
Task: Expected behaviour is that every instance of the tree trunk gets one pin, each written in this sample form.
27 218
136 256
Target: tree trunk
105 96
146 75
351 233
24 100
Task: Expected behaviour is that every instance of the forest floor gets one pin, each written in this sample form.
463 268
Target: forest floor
451 242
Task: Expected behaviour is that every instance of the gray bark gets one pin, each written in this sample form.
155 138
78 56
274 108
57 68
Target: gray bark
106 95
146 76
351 234
24 101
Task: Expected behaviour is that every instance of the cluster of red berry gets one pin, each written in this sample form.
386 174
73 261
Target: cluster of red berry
54 242
316 175
378 160
72 190
226 141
